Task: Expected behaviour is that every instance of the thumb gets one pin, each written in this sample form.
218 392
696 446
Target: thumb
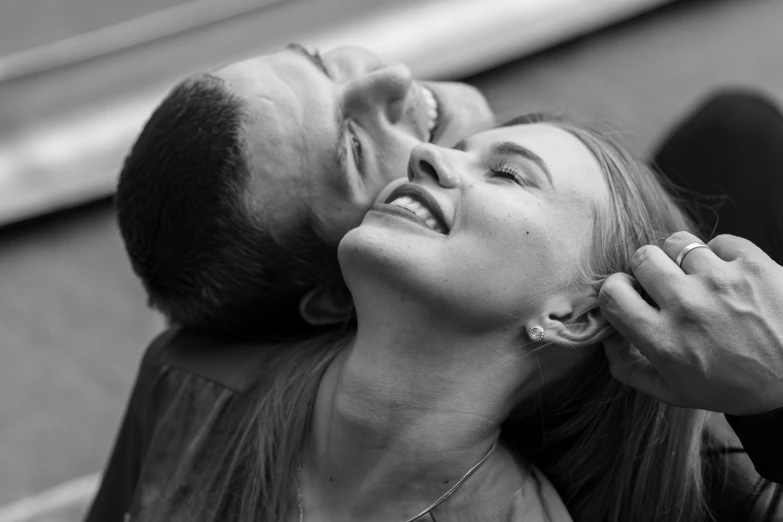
630 367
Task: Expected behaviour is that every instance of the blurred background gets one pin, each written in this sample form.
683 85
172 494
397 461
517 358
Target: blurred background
78 78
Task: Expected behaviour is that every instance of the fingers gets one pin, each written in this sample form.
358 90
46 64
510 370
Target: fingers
658 274
630 367
627 311
730 248
696 260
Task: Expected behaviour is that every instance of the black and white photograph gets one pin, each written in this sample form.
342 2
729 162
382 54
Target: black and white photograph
391 261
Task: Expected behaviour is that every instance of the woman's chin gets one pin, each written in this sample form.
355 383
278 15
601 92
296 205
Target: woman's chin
389 246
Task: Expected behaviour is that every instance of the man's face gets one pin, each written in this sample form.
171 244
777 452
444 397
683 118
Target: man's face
325 133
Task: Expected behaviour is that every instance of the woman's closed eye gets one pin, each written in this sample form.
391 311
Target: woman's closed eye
509 172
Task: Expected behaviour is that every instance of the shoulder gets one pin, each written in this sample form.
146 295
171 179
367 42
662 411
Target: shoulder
184 369
231 362
189 394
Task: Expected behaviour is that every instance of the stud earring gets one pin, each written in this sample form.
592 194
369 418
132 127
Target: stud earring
536 333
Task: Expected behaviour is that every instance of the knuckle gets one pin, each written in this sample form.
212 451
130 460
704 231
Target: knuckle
736 247
699 363
719 283
677 240
641 256
686 309
741 251
666 346
752 267
721 241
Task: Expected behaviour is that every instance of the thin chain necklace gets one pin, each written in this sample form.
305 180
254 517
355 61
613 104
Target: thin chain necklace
427 510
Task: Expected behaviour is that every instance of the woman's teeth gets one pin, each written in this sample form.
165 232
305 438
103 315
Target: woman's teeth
420 211
432 110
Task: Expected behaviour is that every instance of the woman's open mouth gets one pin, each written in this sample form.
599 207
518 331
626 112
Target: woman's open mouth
421 204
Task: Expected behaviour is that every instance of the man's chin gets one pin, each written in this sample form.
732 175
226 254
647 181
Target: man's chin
463 111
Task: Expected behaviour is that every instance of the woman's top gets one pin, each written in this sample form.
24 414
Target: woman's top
188 381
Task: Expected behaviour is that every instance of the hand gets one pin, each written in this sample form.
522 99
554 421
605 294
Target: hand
715 342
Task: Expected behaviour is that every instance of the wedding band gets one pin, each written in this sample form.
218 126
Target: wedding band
687 249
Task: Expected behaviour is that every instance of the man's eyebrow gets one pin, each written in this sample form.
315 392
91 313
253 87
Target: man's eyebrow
509 147
313 57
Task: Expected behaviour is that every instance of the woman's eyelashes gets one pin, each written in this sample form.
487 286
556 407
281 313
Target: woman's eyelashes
509 172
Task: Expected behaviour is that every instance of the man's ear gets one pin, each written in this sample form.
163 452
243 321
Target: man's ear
573 322
326 304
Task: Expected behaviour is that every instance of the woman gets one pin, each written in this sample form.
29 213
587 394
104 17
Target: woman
477 349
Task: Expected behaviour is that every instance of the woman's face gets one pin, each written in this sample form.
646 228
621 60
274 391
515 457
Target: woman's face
485 234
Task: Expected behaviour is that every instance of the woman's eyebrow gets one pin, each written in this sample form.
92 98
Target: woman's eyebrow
509 147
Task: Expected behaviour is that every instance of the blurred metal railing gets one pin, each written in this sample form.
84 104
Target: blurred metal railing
145 29
69 111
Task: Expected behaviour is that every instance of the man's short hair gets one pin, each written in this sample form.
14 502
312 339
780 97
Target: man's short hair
205 260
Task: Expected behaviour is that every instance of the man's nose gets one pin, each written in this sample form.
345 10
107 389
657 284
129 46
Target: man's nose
384 87
429 161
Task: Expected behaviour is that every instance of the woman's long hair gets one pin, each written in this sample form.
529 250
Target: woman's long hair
613 454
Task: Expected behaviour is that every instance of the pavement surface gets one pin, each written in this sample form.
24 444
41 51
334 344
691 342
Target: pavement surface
73 321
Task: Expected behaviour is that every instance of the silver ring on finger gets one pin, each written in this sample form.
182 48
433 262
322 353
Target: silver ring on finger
687 249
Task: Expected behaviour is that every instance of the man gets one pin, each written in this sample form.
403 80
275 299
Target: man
242 183
232 203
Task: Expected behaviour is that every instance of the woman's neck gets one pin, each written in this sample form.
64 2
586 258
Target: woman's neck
400 416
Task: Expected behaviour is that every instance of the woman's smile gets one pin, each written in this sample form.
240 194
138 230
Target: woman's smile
412 212
419 201
420 211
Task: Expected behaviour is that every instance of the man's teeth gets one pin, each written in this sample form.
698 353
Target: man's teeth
421 212
432 110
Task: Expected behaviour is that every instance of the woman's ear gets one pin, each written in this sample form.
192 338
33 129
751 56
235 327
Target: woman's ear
577 323
327 304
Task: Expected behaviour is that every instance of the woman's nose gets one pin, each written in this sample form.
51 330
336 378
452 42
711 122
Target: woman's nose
429 161
384 87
